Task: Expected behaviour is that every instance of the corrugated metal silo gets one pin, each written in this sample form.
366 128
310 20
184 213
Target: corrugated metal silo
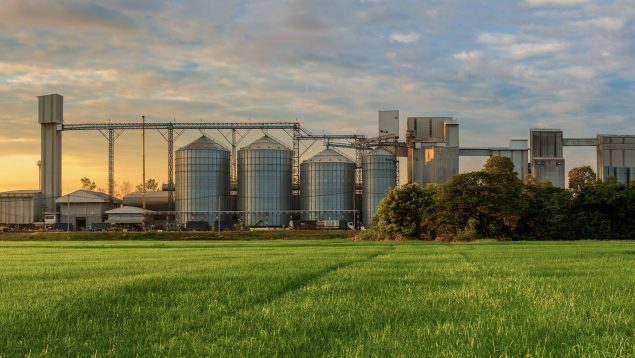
202 179
327 182
378 175
264 182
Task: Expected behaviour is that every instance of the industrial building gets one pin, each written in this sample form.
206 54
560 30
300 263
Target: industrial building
131 217
83 208
267 184
21 208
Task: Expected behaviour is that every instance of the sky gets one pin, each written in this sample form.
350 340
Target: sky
499 67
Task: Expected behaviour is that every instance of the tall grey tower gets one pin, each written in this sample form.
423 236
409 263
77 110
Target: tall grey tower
50 117
547 162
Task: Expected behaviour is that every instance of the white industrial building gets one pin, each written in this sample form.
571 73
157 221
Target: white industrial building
82 208
130 216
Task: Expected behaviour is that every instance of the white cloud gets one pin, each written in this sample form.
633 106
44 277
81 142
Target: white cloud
555 2
468 56
402 37
604 23
530 49
496 38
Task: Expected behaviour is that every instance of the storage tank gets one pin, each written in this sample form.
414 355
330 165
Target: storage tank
379 173
202 180
327 182
264 182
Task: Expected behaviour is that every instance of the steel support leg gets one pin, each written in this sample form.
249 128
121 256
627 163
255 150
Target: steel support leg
234 162
111 164
296 155
170 169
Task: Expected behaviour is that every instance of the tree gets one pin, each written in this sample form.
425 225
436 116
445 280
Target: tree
581 177
151 185
87 184
603 211
487 201
124 189
546 213
402 211
499 165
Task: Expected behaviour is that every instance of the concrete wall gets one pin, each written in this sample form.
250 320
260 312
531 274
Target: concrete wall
428 128
91 212
19 209
616 156
434 164
547 163
518 153
546 169
50 115
388 123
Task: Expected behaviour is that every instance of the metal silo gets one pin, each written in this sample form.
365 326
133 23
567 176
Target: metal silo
202 180
327 182
264 182
379 173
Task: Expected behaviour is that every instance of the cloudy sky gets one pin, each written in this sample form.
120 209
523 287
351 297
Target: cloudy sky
500 67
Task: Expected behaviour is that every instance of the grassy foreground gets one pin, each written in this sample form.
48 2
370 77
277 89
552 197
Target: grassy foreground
327 297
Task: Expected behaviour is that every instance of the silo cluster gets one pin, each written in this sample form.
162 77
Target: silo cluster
379 169
264 182
202 180
263 196
327 183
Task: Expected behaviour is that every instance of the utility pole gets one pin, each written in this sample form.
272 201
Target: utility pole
143 153
68 215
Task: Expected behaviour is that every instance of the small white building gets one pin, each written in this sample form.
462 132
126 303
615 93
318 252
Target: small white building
127 216
82 208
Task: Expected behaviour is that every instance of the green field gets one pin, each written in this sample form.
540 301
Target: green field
327 297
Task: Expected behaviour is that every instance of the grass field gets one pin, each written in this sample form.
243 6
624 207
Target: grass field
327 297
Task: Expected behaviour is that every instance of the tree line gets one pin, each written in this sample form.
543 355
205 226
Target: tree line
122 189
495 203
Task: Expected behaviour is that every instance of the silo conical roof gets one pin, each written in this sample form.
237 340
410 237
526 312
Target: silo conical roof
328 156
203 143
266 143
380 151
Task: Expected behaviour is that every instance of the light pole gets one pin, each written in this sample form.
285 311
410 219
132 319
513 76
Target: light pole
68 215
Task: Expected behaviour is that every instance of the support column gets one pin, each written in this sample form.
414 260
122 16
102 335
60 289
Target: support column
296 155
171 168
111 165
234 162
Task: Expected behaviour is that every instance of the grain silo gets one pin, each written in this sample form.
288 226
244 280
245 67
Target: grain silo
327 182
202 180
378 175
264 182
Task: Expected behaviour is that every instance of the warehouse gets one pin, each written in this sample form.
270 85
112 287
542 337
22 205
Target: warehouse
21 208
83 208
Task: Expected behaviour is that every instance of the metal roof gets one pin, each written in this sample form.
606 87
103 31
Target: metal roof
203 143
266 143
328 156
380 151
129 210
156 195
22 192
86 196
